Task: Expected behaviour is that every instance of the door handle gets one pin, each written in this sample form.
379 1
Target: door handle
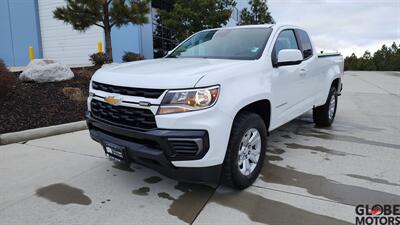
303 72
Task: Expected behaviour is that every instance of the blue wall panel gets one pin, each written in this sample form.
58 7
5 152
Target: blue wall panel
6 49
25 29
21 18
126 38
132 38
147 40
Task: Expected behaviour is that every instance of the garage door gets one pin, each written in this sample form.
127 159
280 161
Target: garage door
60 41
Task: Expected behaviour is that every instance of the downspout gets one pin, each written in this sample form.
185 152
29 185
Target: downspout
39 31
140 40
11 32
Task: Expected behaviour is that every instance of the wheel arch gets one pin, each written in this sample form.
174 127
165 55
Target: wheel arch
336 83
261 107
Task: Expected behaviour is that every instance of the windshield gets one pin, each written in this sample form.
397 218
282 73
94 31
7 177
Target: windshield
243 43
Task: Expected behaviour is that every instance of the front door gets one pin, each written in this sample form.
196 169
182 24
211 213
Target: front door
287 81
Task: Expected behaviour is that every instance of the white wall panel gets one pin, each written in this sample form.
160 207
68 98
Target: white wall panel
60 41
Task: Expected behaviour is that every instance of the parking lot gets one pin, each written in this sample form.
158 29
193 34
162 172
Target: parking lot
311 175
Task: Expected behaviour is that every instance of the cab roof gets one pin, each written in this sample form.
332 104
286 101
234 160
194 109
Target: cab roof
256 26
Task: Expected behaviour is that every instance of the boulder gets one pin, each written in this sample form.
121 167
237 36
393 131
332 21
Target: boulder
44 70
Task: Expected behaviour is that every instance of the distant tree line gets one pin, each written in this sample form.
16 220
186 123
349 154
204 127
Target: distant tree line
385 59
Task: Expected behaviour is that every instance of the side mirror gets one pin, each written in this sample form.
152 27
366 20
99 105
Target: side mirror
288 57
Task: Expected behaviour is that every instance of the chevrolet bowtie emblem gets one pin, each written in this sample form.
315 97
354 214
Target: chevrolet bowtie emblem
113 100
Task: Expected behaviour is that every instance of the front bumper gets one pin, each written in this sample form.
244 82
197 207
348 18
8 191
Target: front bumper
158 147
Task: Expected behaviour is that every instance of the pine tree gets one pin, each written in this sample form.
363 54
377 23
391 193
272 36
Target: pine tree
351 62
188 17
258 13
366 62
82 14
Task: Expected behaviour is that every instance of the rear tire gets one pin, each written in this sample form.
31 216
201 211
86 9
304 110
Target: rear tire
324 115
246 149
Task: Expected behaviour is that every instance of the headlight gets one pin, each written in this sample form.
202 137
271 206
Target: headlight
177 101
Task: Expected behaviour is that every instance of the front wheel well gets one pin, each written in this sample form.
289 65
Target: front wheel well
336 83
262 108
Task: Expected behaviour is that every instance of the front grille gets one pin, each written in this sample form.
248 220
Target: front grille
183 148
139 92
122 115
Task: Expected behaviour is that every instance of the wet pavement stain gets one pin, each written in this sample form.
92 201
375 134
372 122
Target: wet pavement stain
165 195
321 186
290 167
286 136
123 167
344 138
137 167
305 122
153 180
263 210
275 150
141 191
319 149
374 180
187 206
274 158
63 194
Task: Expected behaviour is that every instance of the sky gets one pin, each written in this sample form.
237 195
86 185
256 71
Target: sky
344 25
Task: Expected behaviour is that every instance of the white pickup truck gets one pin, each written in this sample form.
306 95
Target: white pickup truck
203 113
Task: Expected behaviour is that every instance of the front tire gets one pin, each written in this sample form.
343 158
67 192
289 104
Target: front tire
246 149
325 114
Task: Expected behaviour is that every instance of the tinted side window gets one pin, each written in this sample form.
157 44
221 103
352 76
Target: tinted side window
305 44
285 40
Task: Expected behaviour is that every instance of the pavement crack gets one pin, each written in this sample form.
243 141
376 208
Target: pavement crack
292 193
62 150
204 205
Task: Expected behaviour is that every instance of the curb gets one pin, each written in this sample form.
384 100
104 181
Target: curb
42 132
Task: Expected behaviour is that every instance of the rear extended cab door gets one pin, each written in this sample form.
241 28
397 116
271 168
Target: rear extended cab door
309 69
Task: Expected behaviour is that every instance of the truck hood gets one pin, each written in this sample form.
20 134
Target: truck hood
165 73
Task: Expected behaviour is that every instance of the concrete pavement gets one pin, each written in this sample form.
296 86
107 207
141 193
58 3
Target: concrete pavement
311 175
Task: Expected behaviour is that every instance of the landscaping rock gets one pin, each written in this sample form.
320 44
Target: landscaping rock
74 94
44 70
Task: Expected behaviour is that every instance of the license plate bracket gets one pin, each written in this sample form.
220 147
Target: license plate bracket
114 151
